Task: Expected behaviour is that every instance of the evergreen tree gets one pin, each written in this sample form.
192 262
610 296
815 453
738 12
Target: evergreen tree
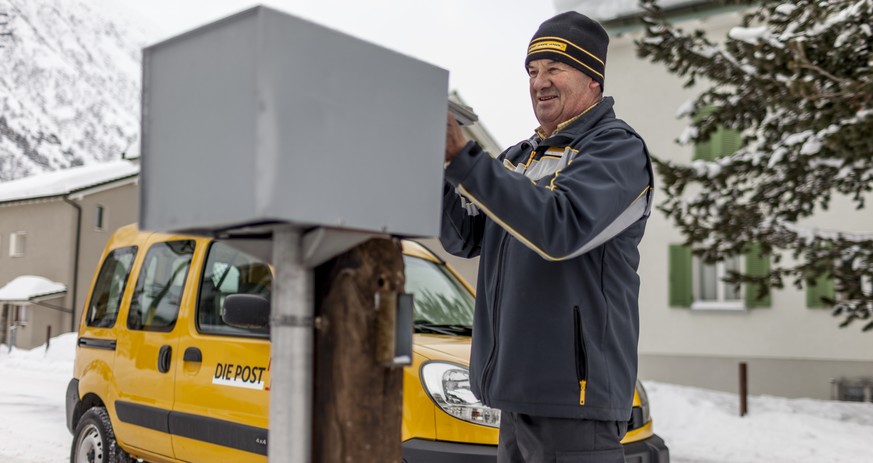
796 80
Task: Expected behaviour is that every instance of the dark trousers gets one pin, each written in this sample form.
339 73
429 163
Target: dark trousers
538 439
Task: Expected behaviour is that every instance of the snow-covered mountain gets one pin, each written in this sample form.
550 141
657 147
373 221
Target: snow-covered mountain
69 83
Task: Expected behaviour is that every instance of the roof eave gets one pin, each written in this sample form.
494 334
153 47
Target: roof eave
691 7
77 193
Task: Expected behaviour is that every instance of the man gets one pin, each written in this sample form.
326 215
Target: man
556 221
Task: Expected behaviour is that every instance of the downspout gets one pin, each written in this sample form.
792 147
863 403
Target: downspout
75 262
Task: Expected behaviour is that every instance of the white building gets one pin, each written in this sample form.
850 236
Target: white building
792 347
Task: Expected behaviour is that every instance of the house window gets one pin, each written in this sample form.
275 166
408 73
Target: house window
698 285
100 218
17 244
20 315
853 390
711 292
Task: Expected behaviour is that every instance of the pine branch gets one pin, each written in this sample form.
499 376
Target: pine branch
797 80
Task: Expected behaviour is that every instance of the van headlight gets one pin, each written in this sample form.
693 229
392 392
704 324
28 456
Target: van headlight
448 385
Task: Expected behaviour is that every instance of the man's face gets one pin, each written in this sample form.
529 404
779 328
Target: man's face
559 92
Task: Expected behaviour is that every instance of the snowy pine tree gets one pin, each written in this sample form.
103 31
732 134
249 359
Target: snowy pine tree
795 79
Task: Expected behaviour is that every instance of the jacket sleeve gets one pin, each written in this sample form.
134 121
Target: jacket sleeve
559 220
460 232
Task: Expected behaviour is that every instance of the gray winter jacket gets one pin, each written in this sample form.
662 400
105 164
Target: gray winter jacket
557 322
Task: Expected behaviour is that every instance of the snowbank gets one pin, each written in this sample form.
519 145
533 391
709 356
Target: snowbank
704 426
58 358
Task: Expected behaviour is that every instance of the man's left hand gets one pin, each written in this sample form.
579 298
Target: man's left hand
455 140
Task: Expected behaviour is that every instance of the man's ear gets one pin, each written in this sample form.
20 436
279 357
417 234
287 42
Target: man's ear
595 85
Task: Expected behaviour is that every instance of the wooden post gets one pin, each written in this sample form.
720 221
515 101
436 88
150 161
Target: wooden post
358 399
744 389
48 337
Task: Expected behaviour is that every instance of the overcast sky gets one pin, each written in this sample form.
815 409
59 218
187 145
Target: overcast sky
481 42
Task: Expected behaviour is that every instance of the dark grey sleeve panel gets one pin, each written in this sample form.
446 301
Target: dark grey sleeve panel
558 220
460 232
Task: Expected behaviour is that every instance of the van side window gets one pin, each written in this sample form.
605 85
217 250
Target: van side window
230 271
109 288
159 287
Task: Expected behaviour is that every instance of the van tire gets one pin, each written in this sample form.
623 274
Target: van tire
94 440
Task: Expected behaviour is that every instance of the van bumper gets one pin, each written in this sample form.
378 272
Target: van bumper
651 450
429 451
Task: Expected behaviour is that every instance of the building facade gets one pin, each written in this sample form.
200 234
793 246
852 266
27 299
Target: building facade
792 345
55 226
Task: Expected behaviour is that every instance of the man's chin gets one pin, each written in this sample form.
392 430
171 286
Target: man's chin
547 120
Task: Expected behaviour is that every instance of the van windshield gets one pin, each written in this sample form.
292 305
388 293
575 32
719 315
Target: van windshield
442 303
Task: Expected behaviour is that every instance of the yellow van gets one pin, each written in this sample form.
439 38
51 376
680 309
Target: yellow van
159 376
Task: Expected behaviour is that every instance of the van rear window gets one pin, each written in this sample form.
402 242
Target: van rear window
109 288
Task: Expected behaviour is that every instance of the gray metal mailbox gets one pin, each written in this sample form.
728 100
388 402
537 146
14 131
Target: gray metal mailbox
263 117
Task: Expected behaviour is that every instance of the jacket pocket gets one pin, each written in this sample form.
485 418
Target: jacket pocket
581 354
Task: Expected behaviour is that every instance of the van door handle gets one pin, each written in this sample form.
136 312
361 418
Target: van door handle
164 356
192 354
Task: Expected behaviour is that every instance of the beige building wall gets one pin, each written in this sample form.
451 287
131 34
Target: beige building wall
793 350
49 229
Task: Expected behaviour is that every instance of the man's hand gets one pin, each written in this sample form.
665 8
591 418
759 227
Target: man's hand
455 140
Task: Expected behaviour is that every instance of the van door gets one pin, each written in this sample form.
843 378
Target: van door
223 380
147 352
95 356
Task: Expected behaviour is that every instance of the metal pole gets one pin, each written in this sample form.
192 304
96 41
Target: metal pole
290 434
744 389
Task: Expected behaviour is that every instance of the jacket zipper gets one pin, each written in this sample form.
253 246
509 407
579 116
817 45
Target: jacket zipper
581 354
495 318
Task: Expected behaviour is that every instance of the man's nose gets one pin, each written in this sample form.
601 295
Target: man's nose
540 82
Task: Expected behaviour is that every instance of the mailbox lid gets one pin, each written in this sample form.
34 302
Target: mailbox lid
263 116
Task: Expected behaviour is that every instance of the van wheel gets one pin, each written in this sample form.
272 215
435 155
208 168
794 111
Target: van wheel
94 440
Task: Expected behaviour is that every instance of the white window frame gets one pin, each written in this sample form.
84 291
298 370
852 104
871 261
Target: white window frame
720 303
17 244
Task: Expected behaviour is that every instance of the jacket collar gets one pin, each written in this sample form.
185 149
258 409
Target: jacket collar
577 126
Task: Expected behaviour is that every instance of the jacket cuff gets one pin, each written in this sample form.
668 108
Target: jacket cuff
461 166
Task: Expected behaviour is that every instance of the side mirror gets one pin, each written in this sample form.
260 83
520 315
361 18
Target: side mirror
246 311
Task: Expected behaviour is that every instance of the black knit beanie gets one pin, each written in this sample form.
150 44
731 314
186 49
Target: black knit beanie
574 39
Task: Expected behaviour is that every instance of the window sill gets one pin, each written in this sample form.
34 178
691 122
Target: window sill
733 306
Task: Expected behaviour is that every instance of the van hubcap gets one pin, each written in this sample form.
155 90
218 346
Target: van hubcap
90 448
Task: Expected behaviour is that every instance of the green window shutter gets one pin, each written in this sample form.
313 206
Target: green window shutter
722 142
731 141
680 276
756 265
823 287
705 150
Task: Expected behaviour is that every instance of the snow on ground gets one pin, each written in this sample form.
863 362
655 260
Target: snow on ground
703 426
699 426
32 389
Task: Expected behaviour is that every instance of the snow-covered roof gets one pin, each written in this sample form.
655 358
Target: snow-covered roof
66 181
605 10
28 287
